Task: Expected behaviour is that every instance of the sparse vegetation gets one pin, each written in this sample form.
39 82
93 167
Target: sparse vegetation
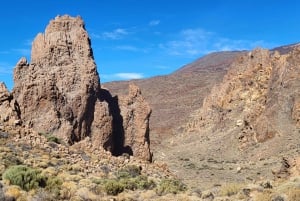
113 187
230 189
129 178
128 172
53 185
170 186
51 138
25 177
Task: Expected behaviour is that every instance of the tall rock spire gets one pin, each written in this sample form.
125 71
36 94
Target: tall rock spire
59 93
58 90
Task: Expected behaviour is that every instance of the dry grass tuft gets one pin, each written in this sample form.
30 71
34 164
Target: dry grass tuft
13 191
230 189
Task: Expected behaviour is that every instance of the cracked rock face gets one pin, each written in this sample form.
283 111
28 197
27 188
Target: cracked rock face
59 92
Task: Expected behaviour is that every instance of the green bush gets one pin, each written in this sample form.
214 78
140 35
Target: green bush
53 185
113 187
51 138
25 177
118 185
129 172
129 178
140 182
170 186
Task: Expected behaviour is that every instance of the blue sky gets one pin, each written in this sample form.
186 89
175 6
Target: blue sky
144 38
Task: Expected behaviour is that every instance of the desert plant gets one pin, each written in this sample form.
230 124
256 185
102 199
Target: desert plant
13 192
129 172
170 186
53 185
144 183
113 187
68 190
25 177
51 138
230 189
139 182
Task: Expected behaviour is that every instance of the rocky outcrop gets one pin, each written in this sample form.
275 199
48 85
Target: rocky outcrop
193 82
59 91
136 113
9 108
258 98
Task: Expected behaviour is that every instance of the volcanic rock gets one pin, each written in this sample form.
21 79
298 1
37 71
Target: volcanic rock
136 113
59 91
9 108
260 94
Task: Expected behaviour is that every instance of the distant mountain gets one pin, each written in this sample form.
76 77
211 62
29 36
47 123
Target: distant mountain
286 48
217 61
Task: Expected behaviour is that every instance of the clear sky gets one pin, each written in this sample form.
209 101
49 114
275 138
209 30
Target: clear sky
144 38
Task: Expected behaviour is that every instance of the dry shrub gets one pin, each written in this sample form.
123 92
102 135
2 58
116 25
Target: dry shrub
68 190
263 196
230 189
13 192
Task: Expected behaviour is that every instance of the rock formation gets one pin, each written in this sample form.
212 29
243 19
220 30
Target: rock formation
258 98
59 92
10 111
173 97
136 112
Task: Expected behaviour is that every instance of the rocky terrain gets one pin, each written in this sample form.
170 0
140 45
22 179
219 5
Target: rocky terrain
246 124
227 125
59 93
59 118
173 97
248 121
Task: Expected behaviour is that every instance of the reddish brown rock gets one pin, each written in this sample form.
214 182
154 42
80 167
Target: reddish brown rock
9 108
59 93
258 97
136 112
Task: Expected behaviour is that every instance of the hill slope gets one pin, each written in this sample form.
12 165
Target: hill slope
249 122
247 118
173 97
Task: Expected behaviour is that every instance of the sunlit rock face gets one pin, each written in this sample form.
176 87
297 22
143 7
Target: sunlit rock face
59 92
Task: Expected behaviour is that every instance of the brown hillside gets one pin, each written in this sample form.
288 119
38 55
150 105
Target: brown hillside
247 124
173 97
